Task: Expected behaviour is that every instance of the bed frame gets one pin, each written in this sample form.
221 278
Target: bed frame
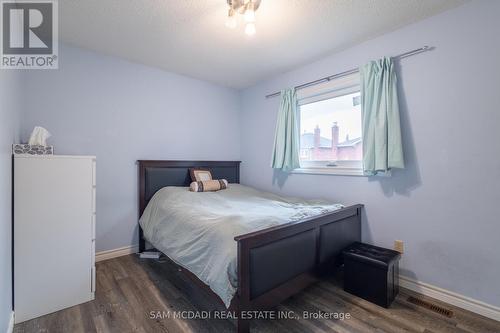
274 263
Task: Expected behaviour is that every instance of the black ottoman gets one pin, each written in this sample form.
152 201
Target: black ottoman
371 272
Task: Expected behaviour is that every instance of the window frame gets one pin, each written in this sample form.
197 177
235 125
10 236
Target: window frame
329 90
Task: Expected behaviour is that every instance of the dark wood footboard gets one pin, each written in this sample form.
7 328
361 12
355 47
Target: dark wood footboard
277 262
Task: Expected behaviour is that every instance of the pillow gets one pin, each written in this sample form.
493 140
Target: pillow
200 174
208 185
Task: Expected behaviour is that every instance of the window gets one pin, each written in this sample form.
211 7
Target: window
330 128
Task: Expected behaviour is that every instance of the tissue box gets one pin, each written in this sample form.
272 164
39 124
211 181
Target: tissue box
18 149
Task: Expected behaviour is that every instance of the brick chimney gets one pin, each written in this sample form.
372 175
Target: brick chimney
335 140
317 140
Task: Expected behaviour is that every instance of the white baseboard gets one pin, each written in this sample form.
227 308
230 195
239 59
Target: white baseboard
10 328
450 297
110 254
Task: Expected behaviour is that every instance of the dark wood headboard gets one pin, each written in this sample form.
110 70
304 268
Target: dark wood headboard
154 175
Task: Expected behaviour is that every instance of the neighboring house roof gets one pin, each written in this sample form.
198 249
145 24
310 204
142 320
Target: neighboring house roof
307 141
349 143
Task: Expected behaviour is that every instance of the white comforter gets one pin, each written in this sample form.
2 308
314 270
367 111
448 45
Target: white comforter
197 229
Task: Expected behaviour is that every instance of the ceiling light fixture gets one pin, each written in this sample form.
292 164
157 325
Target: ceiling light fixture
249 13
247 8
250 29
231 21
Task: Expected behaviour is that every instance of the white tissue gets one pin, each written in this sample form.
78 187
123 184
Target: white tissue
39 137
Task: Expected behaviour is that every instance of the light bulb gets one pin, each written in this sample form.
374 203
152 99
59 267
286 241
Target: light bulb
250 12
231 21
250 29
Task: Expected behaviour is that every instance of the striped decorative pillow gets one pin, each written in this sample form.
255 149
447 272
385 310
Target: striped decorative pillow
208 185
200 174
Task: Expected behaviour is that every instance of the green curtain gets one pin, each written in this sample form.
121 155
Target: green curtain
382 147
286 139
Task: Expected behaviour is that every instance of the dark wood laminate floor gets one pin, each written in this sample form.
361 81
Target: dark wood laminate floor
128 289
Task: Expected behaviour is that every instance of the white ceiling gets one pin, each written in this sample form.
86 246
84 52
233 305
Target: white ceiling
189 37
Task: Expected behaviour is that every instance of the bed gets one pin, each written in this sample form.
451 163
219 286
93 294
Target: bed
274 246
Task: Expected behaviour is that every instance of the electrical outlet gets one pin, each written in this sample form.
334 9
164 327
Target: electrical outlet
399 246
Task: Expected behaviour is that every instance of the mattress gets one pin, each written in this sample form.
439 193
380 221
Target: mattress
197 229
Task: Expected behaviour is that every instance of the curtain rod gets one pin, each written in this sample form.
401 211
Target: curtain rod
351 71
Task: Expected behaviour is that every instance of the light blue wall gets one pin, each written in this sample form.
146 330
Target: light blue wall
122 112
444 205
9 130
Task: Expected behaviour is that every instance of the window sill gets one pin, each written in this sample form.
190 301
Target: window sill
330 171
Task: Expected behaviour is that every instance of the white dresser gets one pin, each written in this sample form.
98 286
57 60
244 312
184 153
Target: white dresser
54 233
